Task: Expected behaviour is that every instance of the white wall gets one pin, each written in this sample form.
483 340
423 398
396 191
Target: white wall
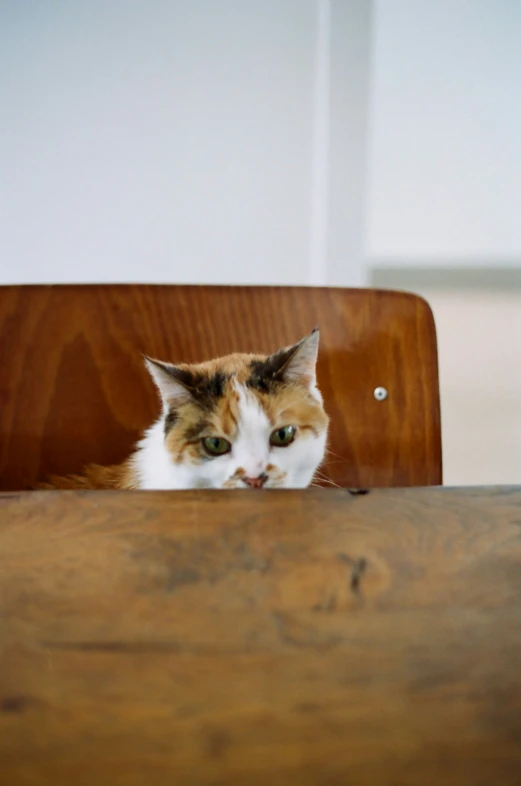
227 140
479 345
180 141
445 142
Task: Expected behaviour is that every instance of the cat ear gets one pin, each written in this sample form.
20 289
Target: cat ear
172 382
299 361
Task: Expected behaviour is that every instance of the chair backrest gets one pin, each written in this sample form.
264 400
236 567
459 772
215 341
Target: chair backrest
74 390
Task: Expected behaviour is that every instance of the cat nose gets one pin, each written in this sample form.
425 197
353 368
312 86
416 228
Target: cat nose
256 483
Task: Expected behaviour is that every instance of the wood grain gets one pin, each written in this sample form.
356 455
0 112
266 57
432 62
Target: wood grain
253 638
73 388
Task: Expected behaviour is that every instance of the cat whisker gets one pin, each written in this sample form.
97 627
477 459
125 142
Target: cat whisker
322 485
328 481
319 472
324 479
329 452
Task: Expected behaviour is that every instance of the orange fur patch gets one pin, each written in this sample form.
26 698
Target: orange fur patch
95 477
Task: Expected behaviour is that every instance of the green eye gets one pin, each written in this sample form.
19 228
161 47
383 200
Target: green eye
216 446
282 437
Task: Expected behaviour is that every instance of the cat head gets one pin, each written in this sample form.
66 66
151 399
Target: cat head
244 421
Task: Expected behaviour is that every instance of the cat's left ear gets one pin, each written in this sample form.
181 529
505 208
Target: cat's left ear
300 360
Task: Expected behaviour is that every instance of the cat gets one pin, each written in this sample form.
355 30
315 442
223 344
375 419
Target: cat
236 422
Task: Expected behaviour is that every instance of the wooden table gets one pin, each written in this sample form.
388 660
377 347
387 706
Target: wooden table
246 638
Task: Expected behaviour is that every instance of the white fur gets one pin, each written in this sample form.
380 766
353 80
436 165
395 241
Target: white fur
153 464
294 465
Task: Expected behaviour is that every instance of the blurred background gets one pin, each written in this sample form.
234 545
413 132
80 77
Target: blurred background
320 142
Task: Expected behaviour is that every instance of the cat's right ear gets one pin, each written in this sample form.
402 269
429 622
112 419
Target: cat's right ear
171 381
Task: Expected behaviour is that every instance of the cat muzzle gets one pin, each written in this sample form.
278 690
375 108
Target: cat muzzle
255 483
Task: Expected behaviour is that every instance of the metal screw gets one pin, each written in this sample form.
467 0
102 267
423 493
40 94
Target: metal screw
380 394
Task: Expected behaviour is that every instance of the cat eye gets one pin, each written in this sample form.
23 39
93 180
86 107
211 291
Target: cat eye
282 437
216 446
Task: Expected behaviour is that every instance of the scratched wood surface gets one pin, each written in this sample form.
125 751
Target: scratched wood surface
74 390
314 637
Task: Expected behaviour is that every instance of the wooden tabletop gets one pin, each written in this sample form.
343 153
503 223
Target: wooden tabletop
244 638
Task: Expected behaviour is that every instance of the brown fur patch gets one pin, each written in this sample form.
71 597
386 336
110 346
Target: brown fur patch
170 420
293 405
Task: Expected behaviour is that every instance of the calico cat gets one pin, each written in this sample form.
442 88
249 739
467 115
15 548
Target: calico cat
239 421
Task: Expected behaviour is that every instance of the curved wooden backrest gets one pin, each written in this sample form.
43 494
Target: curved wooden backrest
73 388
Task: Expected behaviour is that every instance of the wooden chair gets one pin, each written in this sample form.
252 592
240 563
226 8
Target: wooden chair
73 387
